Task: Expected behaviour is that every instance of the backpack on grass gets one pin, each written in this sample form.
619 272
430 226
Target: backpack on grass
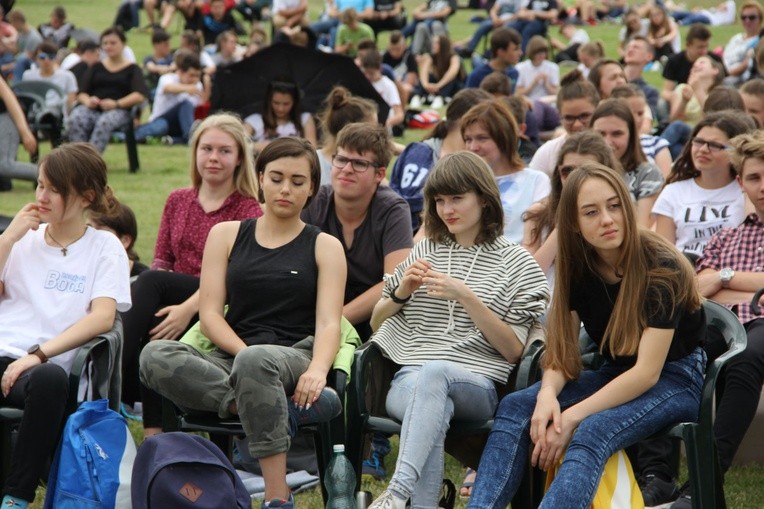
181 471
94 460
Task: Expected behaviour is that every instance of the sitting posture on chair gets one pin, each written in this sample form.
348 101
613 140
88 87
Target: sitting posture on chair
283 282
61 284
635 295
455 315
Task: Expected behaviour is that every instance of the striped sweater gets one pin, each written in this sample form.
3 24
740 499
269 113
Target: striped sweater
501 273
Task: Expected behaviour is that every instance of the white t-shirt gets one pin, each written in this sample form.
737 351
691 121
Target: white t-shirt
165 101
545 157
61 77
527 72
580 36
699 213
721 16
288 129
519 191
46 292
389 92
737 51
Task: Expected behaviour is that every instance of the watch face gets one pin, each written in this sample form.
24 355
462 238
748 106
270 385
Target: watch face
726 273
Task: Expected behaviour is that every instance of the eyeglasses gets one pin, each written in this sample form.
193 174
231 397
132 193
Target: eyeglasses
359 165
712 145
749 17
45 56
572 119
565 170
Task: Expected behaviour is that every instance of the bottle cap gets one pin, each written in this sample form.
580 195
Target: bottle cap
339 448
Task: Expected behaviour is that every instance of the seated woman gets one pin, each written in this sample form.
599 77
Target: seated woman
284 283
663 33
167 297
455 315
108 90
61 284
702 194
441 74
281 116
538 77
637 298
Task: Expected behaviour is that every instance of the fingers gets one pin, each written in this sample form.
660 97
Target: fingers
557 420
308 391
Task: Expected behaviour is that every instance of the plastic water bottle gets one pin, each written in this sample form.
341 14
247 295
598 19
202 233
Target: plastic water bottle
340 481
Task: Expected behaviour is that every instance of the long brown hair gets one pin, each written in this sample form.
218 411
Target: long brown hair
585 143
647 264
619 108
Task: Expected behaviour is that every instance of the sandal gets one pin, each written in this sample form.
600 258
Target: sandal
447 495
465 490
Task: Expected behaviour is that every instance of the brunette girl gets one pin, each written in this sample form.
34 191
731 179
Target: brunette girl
282 116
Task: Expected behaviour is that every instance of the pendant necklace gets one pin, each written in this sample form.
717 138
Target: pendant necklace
64 248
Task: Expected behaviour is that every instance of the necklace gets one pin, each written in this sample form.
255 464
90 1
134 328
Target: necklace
64 248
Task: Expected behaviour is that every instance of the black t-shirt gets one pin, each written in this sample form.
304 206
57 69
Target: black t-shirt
104 84
678 67
593 299
401 66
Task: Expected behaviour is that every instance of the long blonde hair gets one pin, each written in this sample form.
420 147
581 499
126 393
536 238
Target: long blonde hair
648 265
244 180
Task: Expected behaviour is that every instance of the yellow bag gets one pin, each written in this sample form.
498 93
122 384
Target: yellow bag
618 488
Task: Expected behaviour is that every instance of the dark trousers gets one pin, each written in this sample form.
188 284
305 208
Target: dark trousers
153 290
738 393
41 392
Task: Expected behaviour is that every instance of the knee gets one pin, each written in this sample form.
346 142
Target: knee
50 378
516 406
256 361
156 361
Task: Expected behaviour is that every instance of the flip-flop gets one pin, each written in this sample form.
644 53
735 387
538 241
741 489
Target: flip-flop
465 490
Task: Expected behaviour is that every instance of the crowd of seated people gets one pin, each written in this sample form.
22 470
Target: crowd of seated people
585 181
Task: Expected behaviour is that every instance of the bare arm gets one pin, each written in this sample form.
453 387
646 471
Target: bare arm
644 210
359 309
17 115
663 161
309 128
665 227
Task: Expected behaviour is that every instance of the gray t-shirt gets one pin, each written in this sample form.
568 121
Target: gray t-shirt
28 41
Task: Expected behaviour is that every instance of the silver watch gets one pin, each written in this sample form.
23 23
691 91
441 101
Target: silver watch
726 275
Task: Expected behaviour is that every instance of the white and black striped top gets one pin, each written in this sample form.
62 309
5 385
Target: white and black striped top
501 273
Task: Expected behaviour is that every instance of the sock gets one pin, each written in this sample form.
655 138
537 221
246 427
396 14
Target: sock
15 503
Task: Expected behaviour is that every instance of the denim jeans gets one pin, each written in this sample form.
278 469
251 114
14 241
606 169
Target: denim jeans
176 122
528 29
482 30
425 398
674 398
688 18
677 133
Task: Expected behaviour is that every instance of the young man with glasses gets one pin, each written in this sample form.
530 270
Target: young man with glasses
739 51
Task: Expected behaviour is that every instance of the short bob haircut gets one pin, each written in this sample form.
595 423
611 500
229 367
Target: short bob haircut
496 118
459 173
115 30
746 146
537 44
78 169
289 146
365 137
244 176
619 108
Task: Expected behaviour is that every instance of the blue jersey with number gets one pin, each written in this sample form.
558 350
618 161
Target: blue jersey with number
410 172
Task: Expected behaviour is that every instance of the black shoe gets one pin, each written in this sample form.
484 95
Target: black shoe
464 52
657 492
685 500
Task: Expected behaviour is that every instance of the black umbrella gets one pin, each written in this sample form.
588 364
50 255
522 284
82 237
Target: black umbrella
241 86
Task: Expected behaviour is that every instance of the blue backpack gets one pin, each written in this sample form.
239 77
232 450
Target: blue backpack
180 471
93 463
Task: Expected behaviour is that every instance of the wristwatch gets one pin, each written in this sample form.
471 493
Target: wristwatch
36 350
726 275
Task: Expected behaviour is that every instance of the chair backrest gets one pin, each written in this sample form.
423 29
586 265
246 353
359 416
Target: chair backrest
49 91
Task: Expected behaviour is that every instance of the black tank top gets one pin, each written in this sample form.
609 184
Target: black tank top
272 292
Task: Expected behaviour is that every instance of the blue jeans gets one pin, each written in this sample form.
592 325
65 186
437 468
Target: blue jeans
425 398
482 30
674 398
677 133
688 18
528 29
176 122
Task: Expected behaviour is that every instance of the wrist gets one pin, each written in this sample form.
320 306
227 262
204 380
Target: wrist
398 300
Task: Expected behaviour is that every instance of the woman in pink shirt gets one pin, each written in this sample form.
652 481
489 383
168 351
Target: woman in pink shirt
223 189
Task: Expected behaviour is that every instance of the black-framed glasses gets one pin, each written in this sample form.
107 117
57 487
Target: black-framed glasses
749 17
713 146
565 170
572 119
359 165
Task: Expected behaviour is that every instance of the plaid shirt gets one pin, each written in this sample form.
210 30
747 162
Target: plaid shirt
740 248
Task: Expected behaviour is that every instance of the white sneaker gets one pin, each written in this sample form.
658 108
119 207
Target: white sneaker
388 501
437 103
415 102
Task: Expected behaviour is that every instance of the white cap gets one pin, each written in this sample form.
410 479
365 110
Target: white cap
339 448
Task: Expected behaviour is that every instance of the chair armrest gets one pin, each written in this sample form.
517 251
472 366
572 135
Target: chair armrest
529 367
362 359
755 301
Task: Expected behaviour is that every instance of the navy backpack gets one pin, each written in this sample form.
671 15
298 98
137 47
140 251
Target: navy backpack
180 470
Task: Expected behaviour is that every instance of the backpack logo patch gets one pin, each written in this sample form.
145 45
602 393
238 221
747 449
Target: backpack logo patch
191 491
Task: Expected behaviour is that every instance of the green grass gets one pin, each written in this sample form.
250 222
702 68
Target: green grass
166 168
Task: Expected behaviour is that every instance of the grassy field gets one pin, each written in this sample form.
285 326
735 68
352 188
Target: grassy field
166 168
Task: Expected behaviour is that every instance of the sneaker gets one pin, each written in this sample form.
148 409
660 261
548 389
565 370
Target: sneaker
685 499
463 52
437 103
167 140
374 466
657 492
415 102
325 408
279 502
388 501
129 412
